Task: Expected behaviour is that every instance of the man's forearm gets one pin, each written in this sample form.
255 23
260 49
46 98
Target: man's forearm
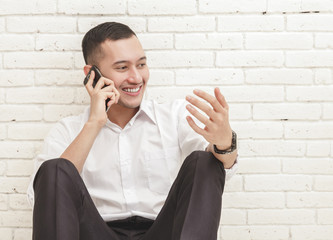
228 160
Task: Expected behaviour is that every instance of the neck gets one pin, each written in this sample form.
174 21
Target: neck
121 115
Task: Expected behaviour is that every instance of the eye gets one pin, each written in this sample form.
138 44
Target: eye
141 65
122 68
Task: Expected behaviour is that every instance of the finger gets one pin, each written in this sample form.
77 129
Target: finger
195 126
102 82
209 98
202 106
198 115
219 96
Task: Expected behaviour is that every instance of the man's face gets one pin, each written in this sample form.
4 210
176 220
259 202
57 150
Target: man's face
124 62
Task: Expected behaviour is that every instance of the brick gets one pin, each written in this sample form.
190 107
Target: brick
89 7
82 96
79 61
53 113
156 41
209 77
161 77
16 219
181 24
239 111
325 216
16 149
259 165
209 41
310 200
248 23
160 7
13 185
20 113
41 24
235 184
6 233
324 40
249 200
313 93
315 130
28 131
3 167
18 202
328 111
323 183
299 6
176 59
309 58
31 7
271 148
239 58
309 232
16 42
278 183
309 22
2 95
46 42
22 233
308 166
318 149
258 130
283 111
16 78
3 130
278 41
233 217
323 76
59 78
38 60
3 202
2 24
40 95
254 232
281 216
230 6
19 168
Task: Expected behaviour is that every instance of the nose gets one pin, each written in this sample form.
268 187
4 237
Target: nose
134 76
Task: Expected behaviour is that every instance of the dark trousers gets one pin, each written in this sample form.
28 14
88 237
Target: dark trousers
64 209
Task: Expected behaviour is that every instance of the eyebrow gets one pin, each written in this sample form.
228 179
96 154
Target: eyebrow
124 61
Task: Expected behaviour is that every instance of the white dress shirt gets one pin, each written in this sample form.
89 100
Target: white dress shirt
129 171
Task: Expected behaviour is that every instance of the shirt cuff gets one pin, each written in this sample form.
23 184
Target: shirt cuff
231 171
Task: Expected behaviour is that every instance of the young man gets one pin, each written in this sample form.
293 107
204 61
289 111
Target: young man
121 174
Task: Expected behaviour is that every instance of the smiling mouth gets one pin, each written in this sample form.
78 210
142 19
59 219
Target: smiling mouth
131 90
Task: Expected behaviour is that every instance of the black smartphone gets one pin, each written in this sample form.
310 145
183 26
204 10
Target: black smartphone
98 75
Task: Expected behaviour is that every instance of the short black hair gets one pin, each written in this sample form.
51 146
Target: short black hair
91 42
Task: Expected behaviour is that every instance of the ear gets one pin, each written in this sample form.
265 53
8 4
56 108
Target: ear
86 69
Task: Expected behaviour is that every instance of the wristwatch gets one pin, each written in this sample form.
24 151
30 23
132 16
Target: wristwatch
232 148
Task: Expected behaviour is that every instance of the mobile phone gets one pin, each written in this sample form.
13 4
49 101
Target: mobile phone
98 75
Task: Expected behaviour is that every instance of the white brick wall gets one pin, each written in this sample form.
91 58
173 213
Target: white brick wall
273 61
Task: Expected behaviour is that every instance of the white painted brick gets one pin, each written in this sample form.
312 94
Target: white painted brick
30 131
161 77
18 202
3 167
257 130
254 232
250 200
16 149
328 111
156 41
308 166
323 183
239 111
312 232
278 41
233 217
19 168
54 113
2 24
3 131
181 24
278 183
281 216
310 22
16 78
174 59
161 7
259 165
323 76
299 6
81 96
16 219
324 40
271 148
43 24
3 202
209 41
91 7
20 113
40 95
315 130
309 58
6 233
38 60
209 77
283 111
16 42
13 185
241 58
28 7
230 6
137 24
2 95
318 149
314 94
325 216
58 43
250 23
22 233
235 184
310 200
59 77
79 61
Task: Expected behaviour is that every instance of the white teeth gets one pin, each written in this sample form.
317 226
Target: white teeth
132 90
